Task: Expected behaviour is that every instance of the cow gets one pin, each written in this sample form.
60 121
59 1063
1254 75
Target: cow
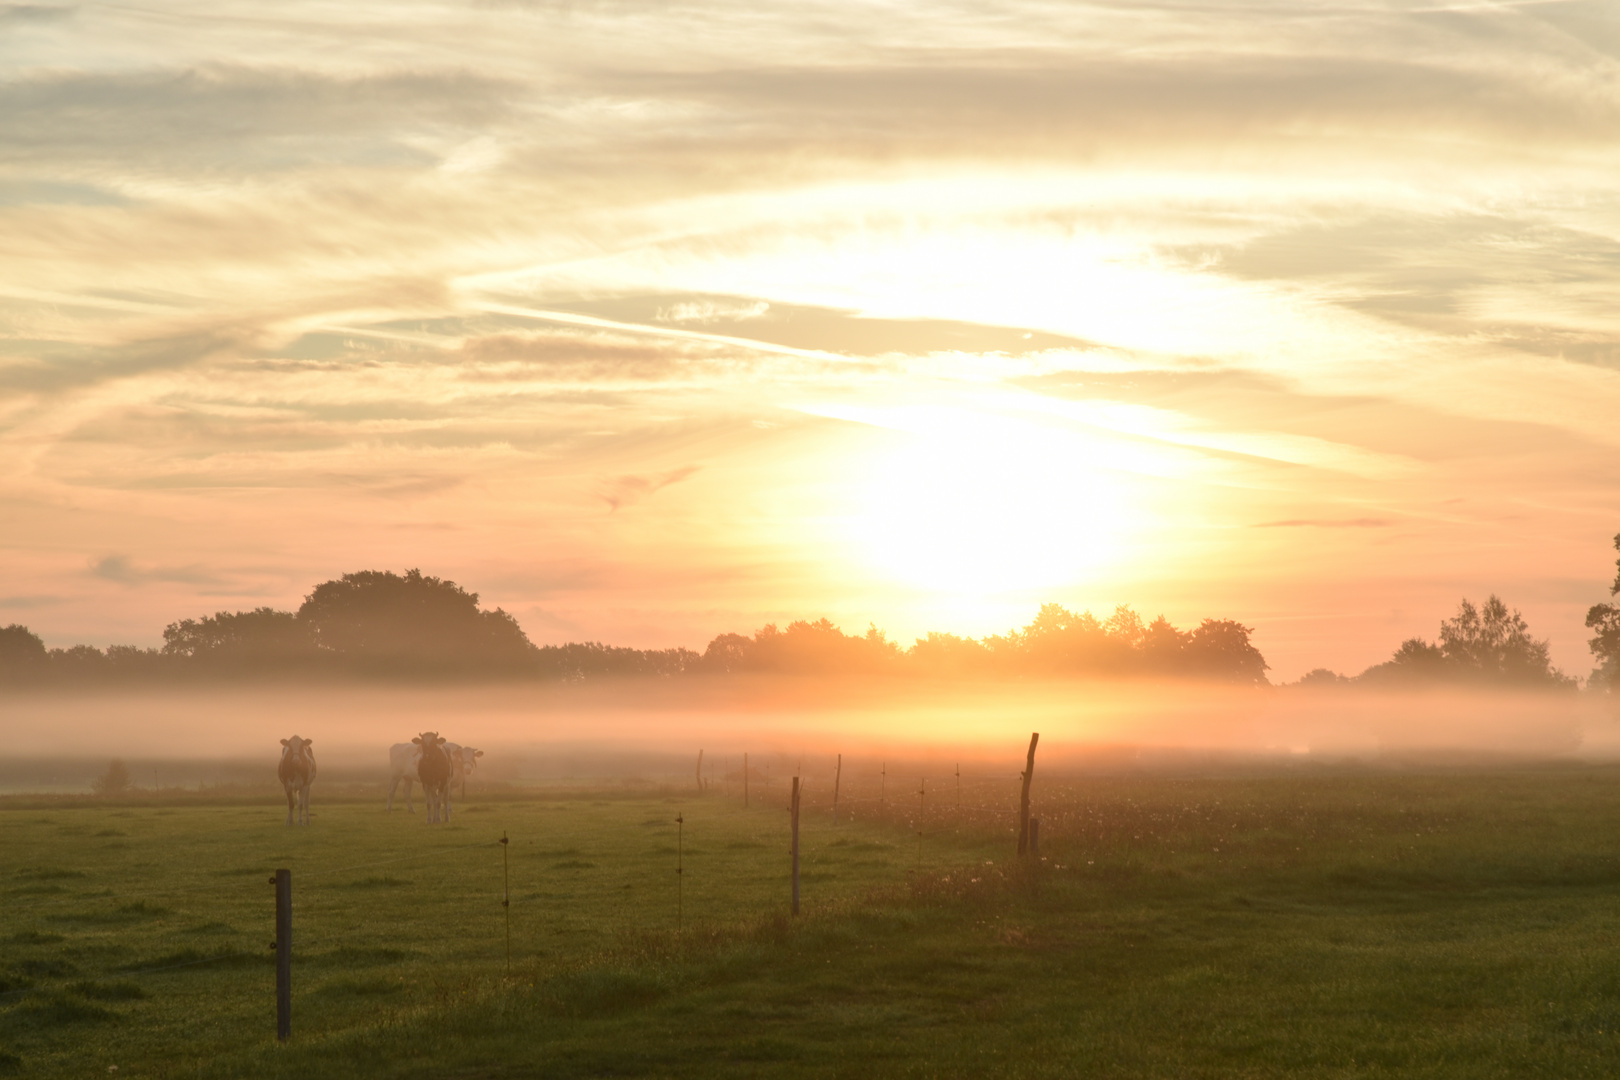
462 760
433 770
296 773
402 758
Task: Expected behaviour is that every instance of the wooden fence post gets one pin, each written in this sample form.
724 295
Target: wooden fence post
838 775
745 780
700 770
1023 798
1035 837
506 898
795 814
283 884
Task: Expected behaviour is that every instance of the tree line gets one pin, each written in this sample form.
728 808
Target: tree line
1492 645
377 623
412 625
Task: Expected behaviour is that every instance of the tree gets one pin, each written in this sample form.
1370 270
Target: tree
1220 649
1605 644
1493 644
1416 661
1321 677
262 636
22 653
382 619
115 780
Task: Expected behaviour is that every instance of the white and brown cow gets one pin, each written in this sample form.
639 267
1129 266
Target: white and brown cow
402 759
296 773
433 770
462 760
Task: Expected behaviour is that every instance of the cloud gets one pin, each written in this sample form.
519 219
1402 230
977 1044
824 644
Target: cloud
64 368
30 600
121 569
232 116
1328 523
26 14
709 311
624 491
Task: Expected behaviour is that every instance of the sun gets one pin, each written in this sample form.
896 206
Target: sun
987 507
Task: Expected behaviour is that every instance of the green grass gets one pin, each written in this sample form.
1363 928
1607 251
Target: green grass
1343 924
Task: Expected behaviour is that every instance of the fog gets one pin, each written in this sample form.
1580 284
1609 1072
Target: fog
653 730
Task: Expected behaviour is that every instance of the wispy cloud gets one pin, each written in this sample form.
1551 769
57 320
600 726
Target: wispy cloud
624 491
122 569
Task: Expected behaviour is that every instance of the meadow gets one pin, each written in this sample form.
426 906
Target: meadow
1417 921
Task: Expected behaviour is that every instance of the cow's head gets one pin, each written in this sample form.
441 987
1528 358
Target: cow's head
466 758
295 747
429 739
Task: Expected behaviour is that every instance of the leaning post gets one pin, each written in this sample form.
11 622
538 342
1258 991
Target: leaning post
283 883
838 774
1023 798
795 849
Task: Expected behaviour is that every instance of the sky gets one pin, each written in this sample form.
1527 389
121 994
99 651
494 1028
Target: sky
649 322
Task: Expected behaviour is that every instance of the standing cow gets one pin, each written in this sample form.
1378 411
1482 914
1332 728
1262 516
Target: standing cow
433 770
296 773
402 759
462 760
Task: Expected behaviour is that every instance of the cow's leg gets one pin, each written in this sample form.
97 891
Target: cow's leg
447 788
391 788
290 797
303 802
408 805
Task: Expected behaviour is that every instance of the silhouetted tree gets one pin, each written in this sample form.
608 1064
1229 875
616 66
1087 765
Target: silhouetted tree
1220 649
1416 661
379 619
22 653
949 656
1322 677
729 654
115 780
1605 643
1493 644
577 661
259 638
1488 644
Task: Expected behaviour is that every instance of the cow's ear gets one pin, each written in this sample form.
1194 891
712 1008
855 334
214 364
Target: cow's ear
283 742
442 740
478 753
417 740
309 742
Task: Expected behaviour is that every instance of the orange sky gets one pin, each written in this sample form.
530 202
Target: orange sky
649 322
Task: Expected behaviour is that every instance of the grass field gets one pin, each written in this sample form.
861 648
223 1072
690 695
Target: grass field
1333 924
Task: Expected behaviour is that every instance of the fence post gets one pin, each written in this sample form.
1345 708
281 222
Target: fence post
1035 836
922 793
283 884
506 901
1023 798
838 775
745 779
680 868
795 814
